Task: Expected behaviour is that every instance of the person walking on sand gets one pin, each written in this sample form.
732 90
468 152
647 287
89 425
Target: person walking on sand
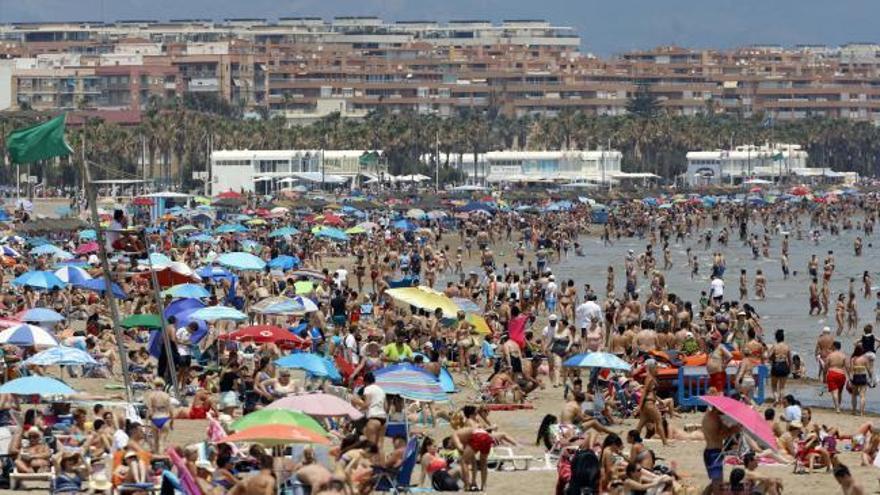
836 376
715 432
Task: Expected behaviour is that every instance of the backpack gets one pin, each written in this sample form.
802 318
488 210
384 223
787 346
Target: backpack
442 481
585 469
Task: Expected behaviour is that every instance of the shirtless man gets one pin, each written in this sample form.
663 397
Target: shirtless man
716 366
262 483
715 431
646 340
160 412
766 484
836 376
573 414
824 347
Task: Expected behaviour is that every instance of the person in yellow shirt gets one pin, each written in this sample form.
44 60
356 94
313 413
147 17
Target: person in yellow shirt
398 350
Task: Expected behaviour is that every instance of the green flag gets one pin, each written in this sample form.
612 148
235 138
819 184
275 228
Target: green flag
38 142
777 156
369 158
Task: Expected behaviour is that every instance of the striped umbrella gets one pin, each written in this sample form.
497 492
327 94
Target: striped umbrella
410 382
25 335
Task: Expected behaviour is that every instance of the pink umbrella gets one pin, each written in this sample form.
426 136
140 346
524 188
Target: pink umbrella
318 404
748 418
87 248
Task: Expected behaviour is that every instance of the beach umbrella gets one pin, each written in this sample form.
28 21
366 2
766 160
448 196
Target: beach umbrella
72 274
45 250
280 305
330 233
88 235
214 313
142 321
42 280
61 355
317 404
368 225
98 285
331 219
36 385
239 260
263 417
256 221
303 287
404 224
357 229
24 335
751 421
216 273
41 315
186 229
467 305
283 231
799 190
479 323
263 334
8 251
314 364
415 213
200 238
597 360
157 261
276 435
284 262
425 298
410 382
191 291
231 228
87 248
436 214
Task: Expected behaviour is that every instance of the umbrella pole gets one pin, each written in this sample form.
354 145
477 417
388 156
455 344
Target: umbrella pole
160 306
105 269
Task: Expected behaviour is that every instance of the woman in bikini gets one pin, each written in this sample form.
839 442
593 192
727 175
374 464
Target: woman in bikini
860 377
780 366
648 411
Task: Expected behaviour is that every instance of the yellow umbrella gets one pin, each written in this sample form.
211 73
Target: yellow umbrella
479 323
256 221
202 200
425 298
357 229
303 287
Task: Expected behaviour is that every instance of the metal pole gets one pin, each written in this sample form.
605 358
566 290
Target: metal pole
160 307
105 269
30 190
437 165
323 169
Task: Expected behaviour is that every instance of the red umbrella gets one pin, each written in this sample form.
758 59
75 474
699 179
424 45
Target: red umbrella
229 195
87 248
168 277
276 435
263 212
331 219
142 201
800 190
755 190
263 334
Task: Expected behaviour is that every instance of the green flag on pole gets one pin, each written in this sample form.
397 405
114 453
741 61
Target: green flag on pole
39 142
777 156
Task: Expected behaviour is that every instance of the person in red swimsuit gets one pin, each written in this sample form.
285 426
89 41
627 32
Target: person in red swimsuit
470 442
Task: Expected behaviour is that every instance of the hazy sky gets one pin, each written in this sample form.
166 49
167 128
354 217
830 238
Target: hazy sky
606 27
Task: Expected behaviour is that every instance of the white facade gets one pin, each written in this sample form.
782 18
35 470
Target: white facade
744 162
538 166
242 170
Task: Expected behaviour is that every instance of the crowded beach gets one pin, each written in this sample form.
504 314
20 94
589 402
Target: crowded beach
353 342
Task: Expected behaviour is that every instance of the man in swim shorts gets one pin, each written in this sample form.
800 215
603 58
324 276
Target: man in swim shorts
835 377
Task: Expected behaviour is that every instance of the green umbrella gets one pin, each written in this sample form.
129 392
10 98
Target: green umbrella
303 287
278 417
143 321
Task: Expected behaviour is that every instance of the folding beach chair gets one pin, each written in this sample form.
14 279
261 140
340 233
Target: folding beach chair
399 480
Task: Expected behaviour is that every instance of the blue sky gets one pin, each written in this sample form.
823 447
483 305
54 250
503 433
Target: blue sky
607 27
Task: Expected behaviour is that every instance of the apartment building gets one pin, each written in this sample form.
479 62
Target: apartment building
306 68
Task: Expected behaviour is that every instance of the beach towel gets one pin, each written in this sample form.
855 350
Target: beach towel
189 485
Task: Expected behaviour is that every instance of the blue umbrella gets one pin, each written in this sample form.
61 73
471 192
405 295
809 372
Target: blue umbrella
39 280
192 291
597 360
476 205
36 385
231 228
284 262
200 238
157 260
283 231
216 273
88 235
25 335
72 274
410 382
331 233
314 364
42 315
45 250
61 355
97 285
241 261
213 313
8 251
404 225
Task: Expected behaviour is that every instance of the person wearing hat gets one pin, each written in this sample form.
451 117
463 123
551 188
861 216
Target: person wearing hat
36 457
70 471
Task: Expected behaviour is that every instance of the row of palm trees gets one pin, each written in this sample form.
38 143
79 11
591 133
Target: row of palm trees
173 140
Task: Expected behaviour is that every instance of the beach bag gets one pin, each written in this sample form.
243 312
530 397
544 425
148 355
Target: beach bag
442 481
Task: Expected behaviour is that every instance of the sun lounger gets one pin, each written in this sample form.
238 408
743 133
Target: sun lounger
17 478
501 456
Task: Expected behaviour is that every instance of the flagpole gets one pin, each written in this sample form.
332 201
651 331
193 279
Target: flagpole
92 195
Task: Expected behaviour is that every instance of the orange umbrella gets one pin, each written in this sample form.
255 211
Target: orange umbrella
276 435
